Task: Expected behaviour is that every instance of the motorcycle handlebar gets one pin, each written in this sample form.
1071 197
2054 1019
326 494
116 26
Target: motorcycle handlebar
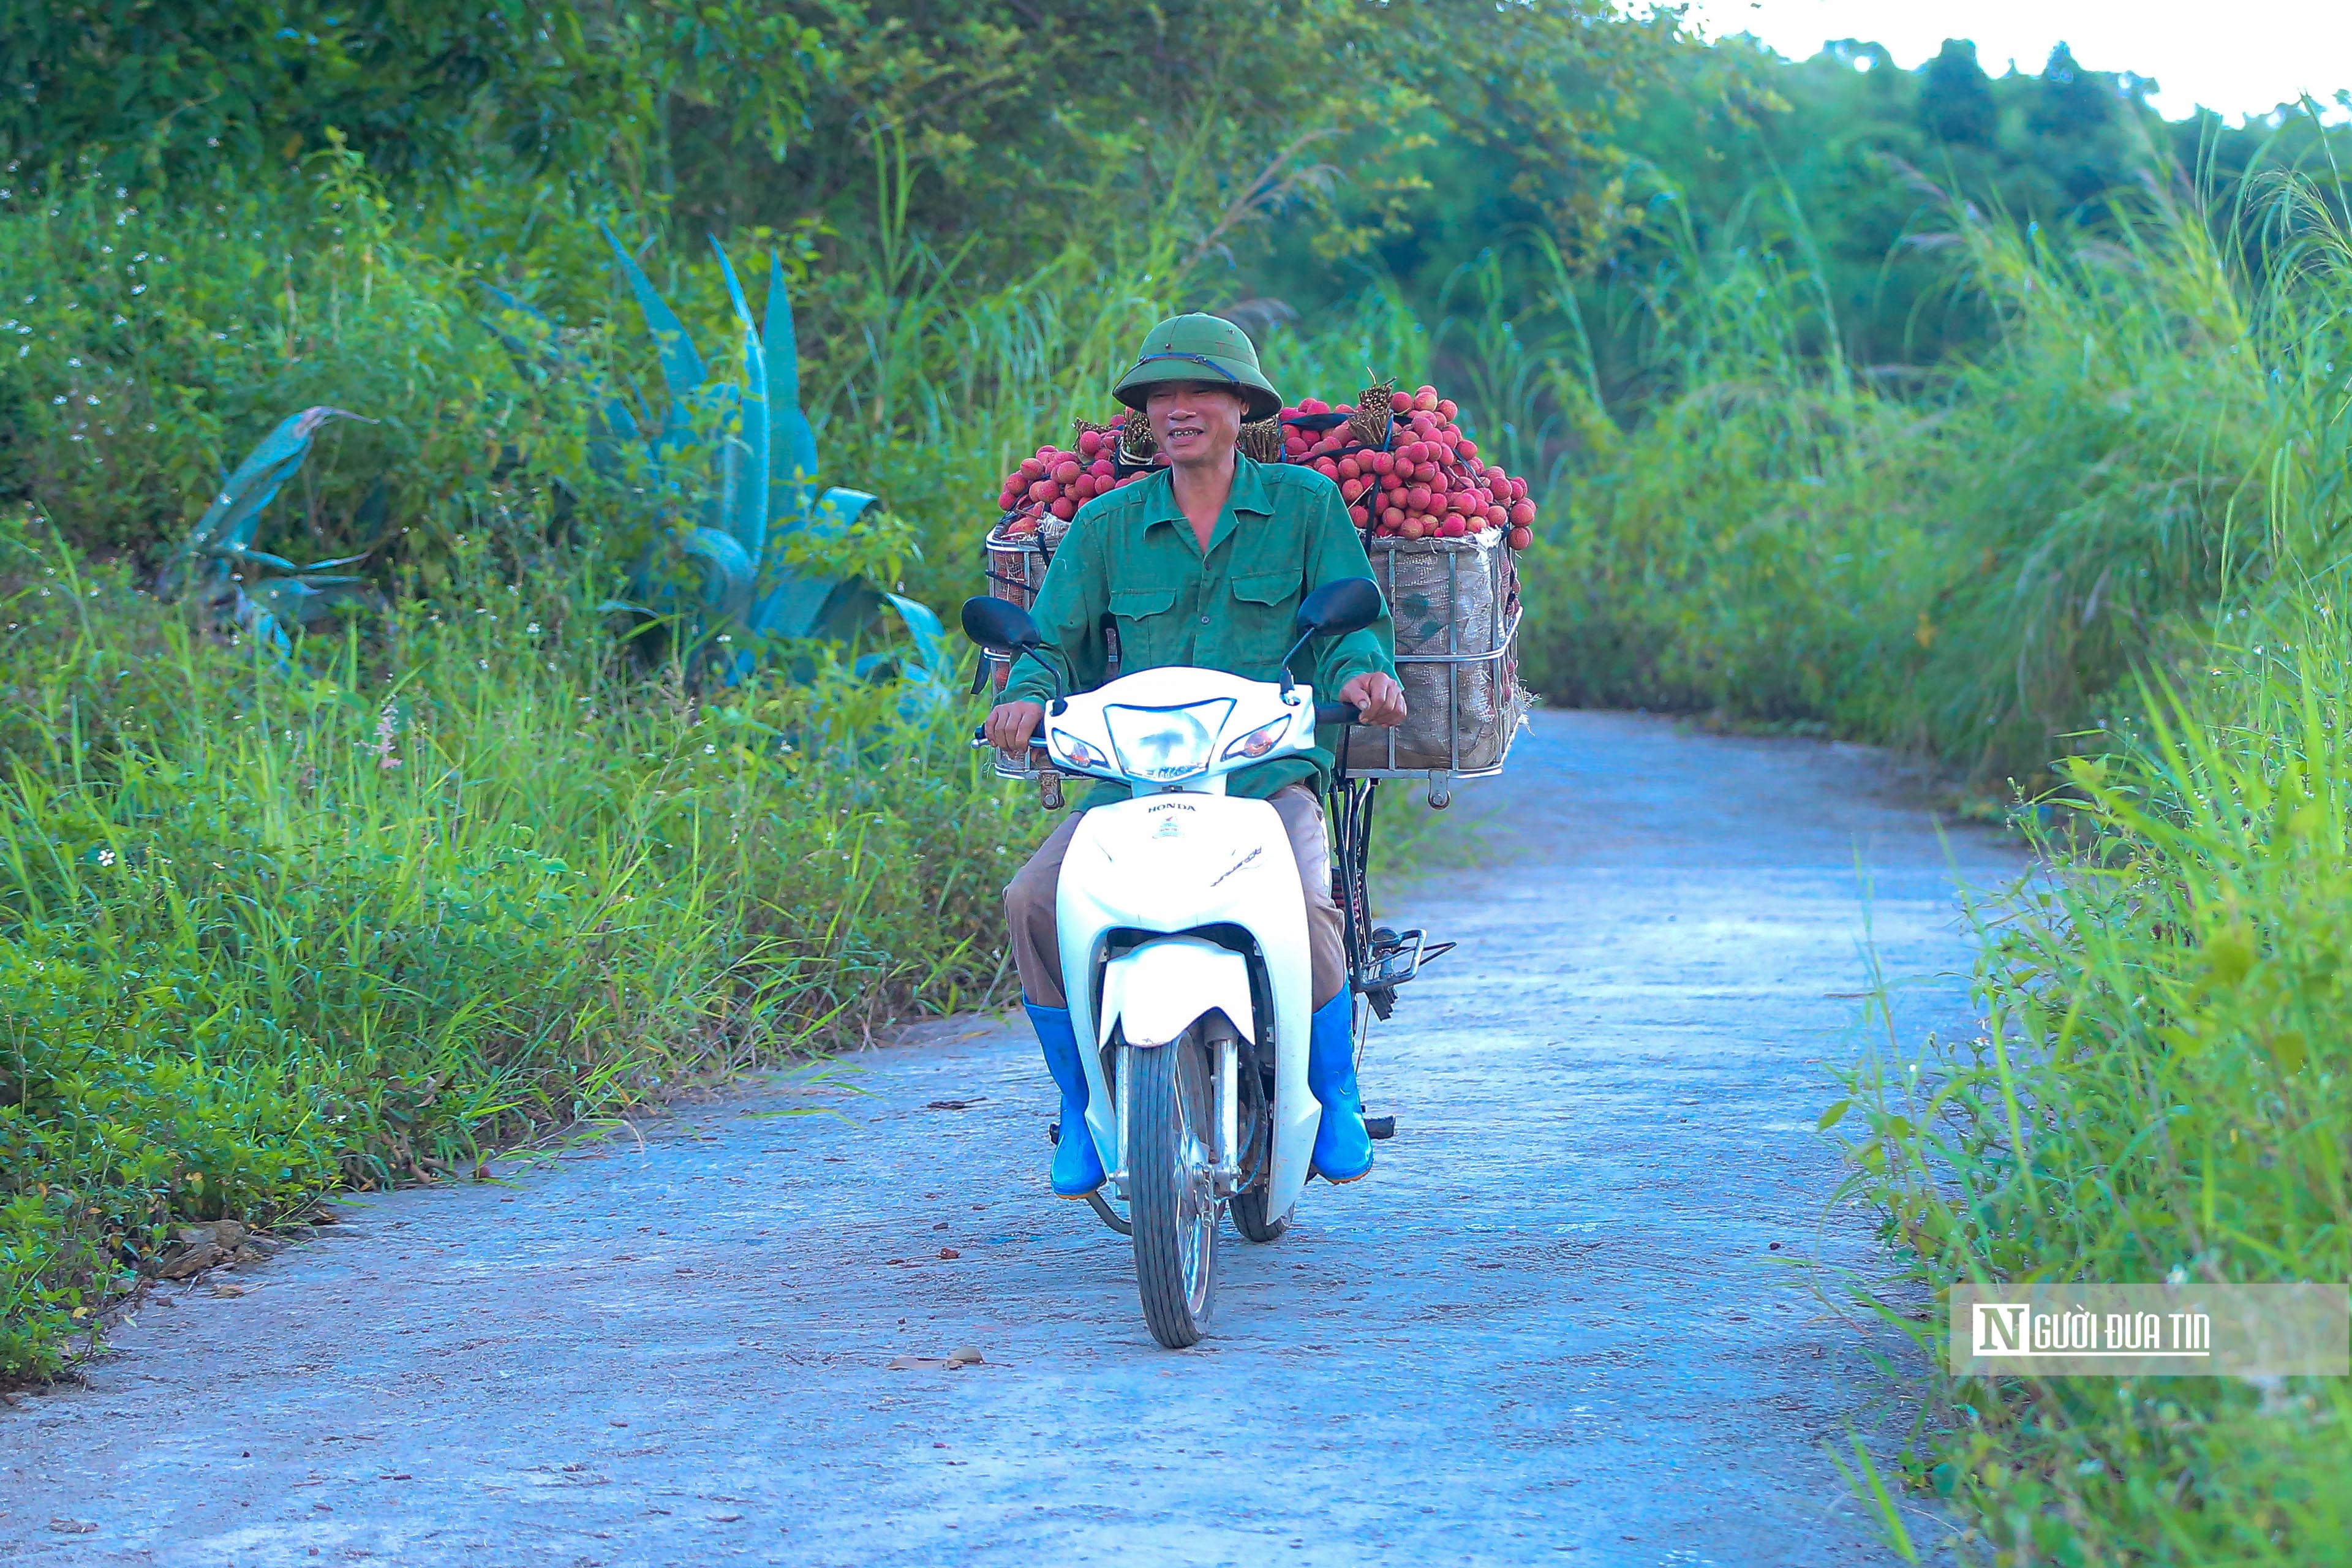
1324 713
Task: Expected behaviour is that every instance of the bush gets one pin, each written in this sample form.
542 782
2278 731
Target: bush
154 346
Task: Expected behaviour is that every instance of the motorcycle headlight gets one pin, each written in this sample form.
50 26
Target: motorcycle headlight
1074 751
1165 744
1259 741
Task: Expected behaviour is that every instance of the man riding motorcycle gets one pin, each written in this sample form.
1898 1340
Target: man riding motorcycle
1202 565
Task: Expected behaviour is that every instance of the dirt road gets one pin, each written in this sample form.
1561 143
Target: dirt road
1557 1324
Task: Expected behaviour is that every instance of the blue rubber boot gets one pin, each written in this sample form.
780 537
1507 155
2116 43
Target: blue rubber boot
1343 1150
1077 1168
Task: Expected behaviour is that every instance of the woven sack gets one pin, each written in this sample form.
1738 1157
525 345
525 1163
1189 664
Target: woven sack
1457 598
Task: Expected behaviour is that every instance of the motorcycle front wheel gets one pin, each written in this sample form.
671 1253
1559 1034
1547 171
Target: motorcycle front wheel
1173 1206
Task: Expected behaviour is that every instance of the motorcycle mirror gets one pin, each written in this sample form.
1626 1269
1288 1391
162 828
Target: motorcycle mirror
1000 624
1339 607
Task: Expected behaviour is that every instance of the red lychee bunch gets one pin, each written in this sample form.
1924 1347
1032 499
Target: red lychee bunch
1055 483
1428 484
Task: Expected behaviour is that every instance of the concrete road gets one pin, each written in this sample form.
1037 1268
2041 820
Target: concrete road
1565 1319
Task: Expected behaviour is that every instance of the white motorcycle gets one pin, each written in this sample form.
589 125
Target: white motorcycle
1183 943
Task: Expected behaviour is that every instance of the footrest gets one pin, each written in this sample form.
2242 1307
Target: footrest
1395 958
1380 1129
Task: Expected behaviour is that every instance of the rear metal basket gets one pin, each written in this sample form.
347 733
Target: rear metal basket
1016 570
1455 603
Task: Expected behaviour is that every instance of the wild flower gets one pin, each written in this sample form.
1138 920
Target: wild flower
387 727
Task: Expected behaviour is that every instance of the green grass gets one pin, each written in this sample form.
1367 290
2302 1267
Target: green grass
455 884
2159 1091
1968 564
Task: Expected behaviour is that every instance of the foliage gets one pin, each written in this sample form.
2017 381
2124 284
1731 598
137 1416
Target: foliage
2159 1091
755 453
1970 568
1021 120
146 93
1030 123
1864 152
140 88
1956 101
154 342
449 887
1843 139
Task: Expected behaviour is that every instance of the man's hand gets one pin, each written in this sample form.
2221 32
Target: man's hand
1011 724
1379 697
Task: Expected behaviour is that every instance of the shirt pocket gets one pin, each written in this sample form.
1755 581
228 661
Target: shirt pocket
1147 632
1264 605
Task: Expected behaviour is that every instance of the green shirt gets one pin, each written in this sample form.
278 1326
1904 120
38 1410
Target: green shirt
1131 555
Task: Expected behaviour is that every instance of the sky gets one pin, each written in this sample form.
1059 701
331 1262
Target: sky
2237 58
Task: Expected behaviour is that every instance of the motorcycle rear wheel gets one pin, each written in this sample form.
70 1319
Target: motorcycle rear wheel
1248 1206
1173 1206
1250 1217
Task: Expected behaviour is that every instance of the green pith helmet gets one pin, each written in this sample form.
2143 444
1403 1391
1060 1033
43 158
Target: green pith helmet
1203 348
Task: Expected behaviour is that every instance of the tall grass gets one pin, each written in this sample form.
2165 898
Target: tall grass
2112 544
2161 1087
2158 1092
2136 443
1964 564
454 884
1726 542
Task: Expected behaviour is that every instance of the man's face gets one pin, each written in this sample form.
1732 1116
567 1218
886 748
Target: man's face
1194 423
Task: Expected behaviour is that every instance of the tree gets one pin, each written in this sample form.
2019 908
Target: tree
2070 101
1956 101
1025 122
138 88
1011 126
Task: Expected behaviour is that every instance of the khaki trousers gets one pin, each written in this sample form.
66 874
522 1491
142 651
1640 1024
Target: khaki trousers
1030 899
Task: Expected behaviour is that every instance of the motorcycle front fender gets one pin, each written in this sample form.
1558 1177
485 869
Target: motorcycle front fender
1174 863
1152 994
